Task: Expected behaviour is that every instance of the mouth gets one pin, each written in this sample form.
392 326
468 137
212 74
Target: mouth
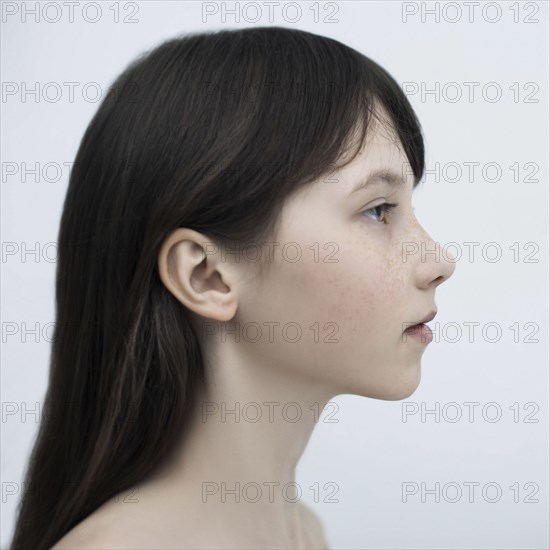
420 330
428 318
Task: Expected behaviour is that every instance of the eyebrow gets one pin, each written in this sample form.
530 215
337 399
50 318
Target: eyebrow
385 175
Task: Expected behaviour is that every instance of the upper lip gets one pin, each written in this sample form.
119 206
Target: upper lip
428 317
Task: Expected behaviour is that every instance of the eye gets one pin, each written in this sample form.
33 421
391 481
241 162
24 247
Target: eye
385 207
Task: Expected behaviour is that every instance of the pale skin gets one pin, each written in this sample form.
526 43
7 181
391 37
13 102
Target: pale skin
361 303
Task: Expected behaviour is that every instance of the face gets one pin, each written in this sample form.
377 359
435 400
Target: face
338 312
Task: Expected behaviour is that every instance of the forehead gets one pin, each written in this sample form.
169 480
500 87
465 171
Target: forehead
382 143
381 152
381 148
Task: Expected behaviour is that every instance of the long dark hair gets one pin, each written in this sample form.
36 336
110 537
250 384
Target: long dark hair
210 131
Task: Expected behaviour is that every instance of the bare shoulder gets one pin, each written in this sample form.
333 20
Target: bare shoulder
94 532
84 539
313 527
99 532
78 540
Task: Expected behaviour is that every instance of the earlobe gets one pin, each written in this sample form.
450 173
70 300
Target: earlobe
199 280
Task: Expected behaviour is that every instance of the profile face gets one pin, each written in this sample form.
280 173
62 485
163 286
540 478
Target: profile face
352 294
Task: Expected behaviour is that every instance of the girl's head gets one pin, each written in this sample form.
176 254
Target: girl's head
324 299
282 262
215 191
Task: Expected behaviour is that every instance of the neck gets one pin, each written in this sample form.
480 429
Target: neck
250 428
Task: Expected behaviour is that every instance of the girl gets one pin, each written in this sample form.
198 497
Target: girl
237 246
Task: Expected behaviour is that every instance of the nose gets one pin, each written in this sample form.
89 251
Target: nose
434 264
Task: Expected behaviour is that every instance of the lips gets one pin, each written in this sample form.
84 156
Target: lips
420 332
426 319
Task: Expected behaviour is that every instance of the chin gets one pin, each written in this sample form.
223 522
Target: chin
403 393
393 390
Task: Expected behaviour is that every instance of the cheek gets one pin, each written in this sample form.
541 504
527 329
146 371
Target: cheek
361 290
347 312
352 299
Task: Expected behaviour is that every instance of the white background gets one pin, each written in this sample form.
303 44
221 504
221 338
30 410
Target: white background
371 451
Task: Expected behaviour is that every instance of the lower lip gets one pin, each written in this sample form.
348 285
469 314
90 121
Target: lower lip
423 333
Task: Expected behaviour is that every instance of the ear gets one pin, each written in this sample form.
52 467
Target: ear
190 266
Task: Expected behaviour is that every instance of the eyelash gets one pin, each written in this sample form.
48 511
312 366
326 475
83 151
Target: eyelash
386 207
